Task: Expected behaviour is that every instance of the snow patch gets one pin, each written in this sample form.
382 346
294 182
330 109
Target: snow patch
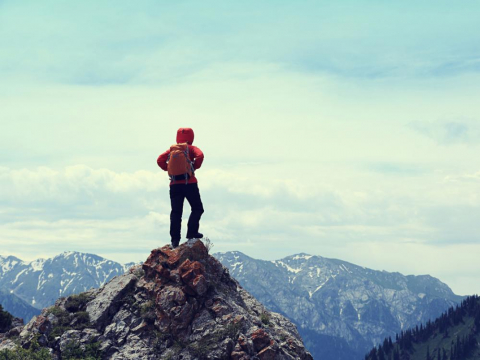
9 265
37 265
302 257
343 267
318 288
289 268
18 275
239 264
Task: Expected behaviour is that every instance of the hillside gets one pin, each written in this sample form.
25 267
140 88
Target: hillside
455 335
342 310
17 306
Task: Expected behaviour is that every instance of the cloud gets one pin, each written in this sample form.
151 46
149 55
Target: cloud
475 177
118 238
397 169
78 192
235 202
449 132
123 215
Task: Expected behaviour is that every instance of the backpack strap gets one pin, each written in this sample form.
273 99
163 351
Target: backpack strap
190 163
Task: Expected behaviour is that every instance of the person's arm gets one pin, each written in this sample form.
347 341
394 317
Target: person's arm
198 156
162 160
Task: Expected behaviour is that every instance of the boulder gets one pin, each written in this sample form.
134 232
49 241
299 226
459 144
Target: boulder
107 301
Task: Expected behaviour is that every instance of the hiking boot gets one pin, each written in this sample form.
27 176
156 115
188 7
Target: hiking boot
196 236
175 243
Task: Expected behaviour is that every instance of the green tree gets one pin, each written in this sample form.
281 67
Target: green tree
5 320
396 355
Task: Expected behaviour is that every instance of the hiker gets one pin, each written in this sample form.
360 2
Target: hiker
181 161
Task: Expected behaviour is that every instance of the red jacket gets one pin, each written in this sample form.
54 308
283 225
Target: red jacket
195 154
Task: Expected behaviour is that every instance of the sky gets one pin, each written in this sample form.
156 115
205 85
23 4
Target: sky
348 130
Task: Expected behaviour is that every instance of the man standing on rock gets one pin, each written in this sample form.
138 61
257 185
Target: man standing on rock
181 161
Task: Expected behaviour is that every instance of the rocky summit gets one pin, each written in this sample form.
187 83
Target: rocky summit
180 304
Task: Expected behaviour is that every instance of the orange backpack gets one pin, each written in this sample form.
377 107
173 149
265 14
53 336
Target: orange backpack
179 165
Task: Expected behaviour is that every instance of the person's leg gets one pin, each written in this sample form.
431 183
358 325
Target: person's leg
177 196
193 196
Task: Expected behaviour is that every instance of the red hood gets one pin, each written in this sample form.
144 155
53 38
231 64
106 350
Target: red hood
185 135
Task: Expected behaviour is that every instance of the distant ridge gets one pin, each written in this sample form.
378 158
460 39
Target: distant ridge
341 309
40 282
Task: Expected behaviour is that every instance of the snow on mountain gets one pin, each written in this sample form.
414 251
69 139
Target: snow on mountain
8 263
341 309
42 281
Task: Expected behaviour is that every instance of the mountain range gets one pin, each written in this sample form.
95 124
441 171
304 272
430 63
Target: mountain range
181 304
32 286
341 309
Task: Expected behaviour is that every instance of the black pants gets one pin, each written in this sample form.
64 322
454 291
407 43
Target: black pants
178 193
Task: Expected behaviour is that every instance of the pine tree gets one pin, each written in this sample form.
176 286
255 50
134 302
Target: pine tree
385 345
457 348
372 355
461 346
5 320
396 355
381 354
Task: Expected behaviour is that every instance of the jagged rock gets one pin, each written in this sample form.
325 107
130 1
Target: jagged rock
185 306
7 344
42 324
11 331
14 332
260 339
17 322
68 337
106 303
